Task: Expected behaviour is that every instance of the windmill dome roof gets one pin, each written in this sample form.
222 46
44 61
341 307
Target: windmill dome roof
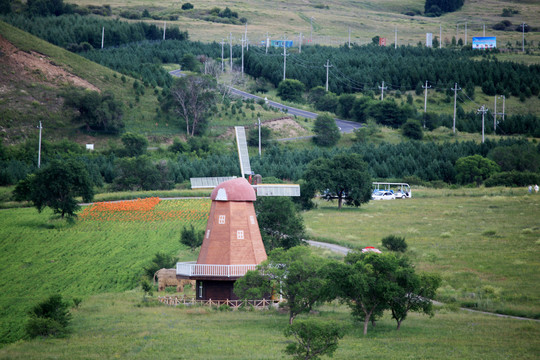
237 189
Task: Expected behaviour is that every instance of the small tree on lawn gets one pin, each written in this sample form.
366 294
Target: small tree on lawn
49 318
290 89
394 243
191 237
314 338
56 186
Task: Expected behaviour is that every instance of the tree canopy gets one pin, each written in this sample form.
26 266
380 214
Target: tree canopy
326 131
345 176
56 186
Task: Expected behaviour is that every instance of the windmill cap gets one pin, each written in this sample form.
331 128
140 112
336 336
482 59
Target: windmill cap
237 189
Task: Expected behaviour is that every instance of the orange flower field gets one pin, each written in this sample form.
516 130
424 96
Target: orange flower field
149 209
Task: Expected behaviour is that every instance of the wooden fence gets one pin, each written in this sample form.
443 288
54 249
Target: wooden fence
234 304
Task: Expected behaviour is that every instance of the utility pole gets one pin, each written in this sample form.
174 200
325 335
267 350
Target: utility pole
349 37
300 43
504 100
102 36
523 37
395 38
484 32
327 66
222 59
39 148
440 36
483 110
247 46
284 57
230 52
311 33
243 40
267 42
164 29
425 95
495 115
465 33
259 119
456 89
382 90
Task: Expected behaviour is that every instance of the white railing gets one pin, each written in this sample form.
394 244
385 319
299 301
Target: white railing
193 269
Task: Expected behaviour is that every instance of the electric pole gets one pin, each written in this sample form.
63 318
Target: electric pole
465 33
504 100
164 29
230 52
243 40
484 32
284 57
382 90
440 36
495 115
267 42
349 37
222 59
395 38
483 110
300 43
39 148
456 89
327 66
425 95
259 120
311 33
247 46
523 37
102 36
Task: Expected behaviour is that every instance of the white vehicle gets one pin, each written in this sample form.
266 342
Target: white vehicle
402 190
383 195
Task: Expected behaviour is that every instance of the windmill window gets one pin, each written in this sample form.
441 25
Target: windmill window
252 219
240 234
221 219
207 233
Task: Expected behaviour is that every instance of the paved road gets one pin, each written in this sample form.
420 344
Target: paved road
332 247
344 125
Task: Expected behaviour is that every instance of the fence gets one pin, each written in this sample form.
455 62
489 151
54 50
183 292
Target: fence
234 304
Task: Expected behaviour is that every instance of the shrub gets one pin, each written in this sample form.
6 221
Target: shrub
187 6
412 130
49 318
395 243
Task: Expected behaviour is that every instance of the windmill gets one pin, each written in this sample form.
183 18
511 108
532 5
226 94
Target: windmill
232 242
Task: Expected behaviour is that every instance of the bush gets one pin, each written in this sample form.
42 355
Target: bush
395 243
191 237
513 179
160 261
291 90
412 130
187 6
49 318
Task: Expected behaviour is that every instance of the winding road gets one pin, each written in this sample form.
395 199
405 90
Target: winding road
344 125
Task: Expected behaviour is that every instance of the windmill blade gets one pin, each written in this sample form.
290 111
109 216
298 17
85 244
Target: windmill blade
243 155
208 182
277 189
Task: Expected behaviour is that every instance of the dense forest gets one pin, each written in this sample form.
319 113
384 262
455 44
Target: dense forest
364 68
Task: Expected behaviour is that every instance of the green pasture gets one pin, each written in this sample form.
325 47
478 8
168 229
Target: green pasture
40 256
116 325
484 242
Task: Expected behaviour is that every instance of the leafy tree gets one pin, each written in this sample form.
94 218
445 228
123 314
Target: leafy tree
314 338
412 130
187 6
345 175
474 169
280 223
394 243
367 281
326 130
253 286
360 109
5 6
45 7
49 318
194 97
388 113
135 144
414 294
191 237
316 93
346 104
328 102
298 276
159 261
141 173
519 157
189 62
291 90
56 186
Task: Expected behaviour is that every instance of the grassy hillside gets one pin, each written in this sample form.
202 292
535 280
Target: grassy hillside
31 95
465 235
332 19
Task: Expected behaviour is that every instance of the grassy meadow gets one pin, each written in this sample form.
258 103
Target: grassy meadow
484 243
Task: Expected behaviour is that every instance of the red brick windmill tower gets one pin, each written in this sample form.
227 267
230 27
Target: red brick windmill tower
232 242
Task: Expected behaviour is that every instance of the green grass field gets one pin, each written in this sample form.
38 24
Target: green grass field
484 243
